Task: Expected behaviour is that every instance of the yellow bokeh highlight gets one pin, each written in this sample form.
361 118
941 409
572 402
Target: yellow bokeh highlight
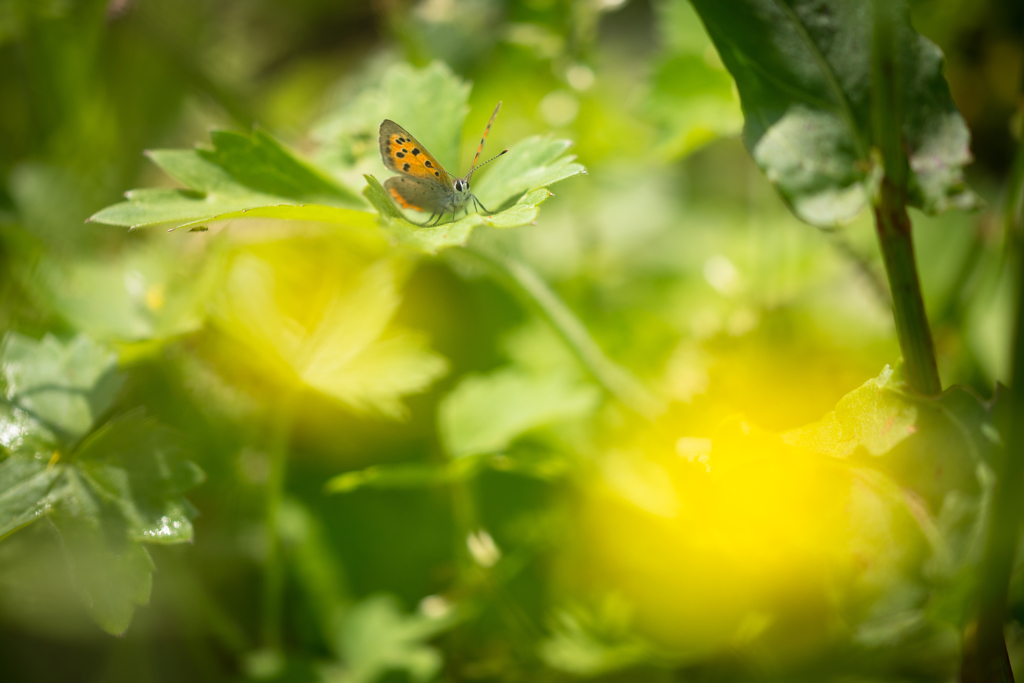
755 543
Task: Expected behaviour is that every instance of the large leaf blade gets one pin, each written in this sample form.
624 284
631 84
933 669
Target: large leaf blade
803 69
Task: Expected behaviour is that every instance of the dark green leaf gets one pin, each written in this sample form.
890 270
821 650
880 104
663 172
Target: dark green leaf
804 73
261 164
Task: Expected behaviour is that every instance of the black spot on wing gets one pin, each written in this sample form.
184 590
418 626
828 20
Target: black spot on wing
428 164
415 151
405 167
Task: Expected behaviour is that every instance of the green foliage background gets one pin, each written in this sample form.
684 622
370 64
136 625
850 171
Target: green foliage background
642 424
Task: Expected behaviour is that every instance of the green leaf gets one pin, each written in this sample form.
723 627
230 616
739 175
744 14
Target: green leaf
112 573
692 97
378 638
121 488
532 163
404 475
105 494
432 240
63 387
932 446
431 103
804 73
348 351
258 162
240 172
588 644
153 291
135 464
317 570
25 483
939 449
484 414
875 417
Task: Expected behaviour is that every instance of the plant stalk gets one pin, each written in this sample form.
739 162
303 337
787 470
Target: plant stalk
912 330
273 573
535 293
891 220
985 656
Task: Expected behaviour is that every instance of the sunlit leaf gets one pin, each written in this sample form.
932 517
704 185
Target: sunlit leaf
484 414
378 638
404 476
431 103
151 292
240 172
940 450
539 464
531 163
874 417
584 644
933 446
804 73
452 234
348 351
524 172
25 484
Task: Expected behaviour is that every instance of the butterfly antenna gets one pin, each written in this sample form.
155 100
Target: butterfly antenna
480 147
470 174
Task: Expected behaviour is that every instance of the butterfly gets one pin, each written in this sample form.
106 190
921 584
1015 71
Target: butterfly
424 184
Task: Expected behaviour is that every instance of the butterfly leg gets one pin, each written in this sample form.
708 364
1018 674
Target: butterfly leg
440 215
482 207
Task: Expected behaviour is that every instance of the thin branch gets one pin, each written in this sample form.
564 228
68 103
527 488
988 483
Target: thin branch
535 293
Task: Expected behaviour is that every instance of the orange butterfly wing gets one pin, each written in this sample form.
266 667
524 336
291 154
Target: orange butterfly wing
403 154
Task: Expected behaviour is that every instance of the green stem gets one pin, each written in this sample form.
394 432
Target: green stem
535 293
891 220
985 656
1014 191
915 336
273 574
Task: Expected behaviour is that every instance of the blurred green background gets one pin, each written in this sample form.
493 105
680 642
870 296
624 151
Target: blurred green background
583 544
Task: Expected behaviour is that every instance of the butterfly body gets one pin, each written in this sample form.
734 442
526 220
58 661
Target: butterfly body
424 185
